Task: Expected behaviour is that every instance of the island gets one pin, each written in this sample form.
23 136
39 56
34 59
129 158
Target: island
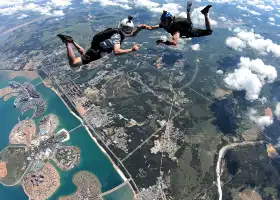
23 132
41 184
48 124
88 185
14 159
26 160
66 158
26 97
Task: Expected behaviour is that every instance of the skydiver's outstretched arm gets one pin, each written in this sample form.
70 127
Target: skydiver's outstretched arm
173 42
145 26
119 51
136 31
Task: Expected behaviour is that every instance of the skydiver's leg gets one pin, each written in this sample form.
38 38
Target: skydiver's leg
205 12
189 5
195 32
73 60
207 22
79 48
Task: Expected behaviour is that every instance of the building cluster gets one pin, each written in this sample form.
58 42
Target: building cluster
41 184
37 179
48 124
43 147
67 157
28 98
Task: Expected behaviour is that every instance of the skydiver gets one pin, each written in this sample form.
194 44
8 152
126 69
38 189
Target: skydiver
107 41
181 27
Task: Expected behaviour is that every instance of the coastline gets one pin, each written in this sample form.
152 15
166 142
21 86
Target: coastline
78 186
92 137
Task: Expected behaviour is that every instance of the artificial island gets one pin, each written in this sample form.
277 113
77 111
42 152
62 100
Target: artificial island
26 159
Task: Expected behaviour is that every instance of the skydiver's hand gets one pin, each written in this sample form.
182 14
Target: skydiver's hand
135 47
143 26
159 42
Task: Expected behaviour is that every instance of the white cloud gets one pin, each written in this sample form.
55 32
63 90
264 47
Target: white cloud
125 6
264 7
152 6
222 18
254 12
220 72
243 79
171 7
271 19
266 73
237 30
277 110
235 43
195 47
46 8
7 3
258 4
22 16
121 3
156 7
250 77
60 3
198 18
254 41
108 3
272 23
146 3
220 1
58 13
262 121
248 10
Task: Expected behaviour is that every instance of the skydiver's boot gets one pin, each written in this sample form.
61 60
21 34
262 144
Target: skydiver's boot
65 38
189 5
205 10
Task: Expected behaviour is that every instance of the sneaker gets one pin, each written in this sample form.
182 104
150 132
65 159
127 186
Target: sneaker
65 38
206 9
189 5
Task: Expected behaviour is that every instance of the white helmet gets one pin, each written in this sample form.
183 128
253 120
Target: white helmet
127 25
